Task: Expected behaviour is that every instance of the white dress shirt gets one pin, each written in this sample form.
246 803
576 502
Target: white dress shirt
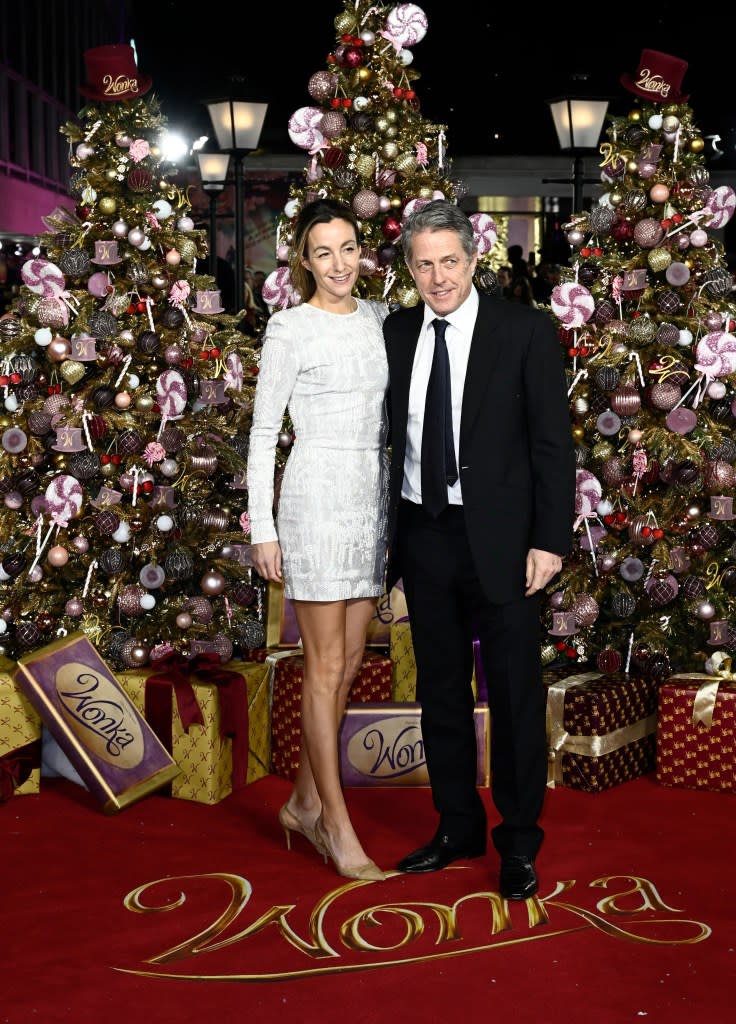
461 324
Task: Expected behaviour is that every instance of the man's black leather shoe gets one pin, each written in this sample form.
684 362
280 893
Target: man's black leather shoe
441 852
518 879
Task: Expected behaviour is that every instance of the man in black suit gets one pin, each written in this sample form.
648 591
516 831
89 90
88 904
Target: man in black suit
475 550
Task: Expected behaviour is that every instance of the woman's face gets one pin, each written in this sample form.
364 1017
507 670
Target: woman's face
332 254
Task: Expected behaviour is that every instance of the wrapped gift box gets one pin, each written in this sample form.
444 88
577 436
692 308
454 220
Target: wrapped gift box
404 673
20 738
382 745
601 730
114 751
187 715
373 683
696 733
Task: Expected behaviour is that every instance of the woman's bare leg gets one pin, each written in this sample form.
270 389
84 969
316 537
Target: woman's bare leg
333 637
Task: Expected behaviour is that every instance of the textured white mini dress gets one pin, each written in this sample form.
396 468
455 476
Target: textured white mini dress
330 371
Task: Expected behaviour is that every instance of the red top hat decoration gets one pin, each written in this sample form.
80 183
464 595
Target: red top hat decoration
112 74
658 78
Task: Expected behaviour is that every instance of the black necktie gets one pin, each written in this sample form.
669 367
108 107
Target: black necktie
439 467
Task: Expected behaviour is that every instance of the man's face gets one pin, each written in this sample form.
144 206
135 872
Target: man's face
442 272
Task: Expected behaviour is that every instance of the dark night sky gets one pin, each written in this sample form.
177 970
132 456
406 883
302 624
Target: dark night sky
482 73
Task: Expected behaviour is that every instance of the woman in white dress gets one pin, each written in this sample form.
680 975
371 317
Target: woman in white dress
324 359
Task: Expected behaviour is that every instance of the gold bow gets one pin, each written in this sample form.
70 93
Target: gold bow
704 705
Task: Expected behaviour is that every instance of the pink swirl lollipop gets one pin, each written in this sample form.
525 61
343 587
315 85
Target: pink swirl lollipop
412 206
572 303
484 230
64 498
234 371
171 392
720 205
588 492
277 289
43 278
406 25
304 131
716 354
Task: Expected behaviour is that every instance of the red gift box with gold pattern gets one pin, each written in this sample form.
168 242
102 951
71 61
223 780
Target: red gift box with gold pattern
373 683
696 732
600 729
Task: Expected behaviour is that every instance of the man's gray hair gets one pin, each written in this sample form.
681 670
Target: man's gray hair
439 215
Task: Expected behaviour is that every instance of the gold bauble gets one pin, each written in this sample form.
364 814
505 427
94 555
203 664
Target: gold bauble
549 653
616 197
406 163
111 174
391 131
107 205
72 371
144 403
634 115
381 124
425 192
407 297
396 202
632 166
108 469
578 433
187 249
602 450
365 166
659 260
392 116
670 123
697 144
390 150
365 74
5 422
671 108
345 24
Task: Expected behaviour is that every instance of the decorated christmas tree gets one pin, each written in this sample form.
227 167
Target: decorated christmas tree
370 147
124 432
647 319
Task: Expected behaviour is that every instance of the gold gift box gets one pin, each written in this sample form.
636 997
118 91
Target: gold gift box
203 756
404 670
19 724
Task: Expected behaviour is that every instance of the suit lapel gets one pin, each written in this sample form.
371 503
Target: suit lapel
485 350
401 366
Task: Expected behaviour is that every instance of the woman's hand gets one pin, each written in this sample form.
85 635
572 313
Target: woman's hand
267 560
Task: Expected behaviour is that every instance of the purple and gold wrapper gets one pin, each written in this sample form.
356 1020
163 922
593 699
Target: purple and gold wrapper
20 738
696 732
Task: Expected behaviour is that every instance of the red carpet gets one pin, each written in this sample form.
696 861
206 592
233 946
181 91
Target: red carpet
635 919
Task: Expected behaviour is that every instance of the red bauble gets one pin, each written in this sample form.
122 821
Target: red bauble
392 228
622 230
352 58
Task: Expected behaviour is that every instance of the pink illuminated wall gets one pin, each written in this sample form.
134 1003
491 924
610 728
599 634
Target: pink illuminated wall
22 205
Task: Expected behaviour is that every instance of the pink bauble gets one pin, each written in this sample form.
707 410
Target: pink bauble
57 556
173 257
659 193
74 607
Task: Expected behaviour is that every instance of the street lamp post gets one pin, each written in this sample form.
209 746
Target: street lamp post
237 125
578 122
213 168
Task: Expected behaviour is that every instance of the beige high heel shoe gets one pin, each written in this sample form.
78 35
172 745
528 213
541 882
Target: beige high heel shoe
290 823
368 872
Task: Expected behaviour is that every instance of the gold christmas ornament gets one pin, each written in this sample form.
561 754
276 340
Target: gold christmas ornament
396 202
365 166
659 260
72 371
578 433
407 297
697 144
187 249
345 24
107 205
632 166
406 163
634 115
365 74
390 150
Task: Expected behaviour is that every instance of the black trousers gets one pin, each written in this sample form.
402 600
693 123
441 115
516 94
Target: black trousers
447 609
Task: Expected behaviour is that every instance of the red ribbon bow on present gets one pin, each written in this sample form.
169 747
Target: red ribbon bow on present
16 766
173 675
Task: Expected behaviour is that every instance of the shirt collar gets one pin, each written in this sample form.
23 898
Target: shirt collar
463 318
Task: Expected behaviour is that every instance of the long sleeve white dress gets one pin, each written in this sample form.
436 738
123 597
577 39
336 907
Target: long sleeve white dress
330 371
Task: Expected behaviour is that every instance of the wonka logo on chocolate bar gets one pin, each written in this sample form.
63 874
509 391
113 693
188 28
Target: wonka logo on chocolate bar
388 748
93 709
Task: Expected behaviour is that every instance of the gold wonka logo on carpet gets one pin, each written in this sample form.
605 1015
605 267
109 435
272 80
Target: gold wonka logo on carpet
417 931
93 710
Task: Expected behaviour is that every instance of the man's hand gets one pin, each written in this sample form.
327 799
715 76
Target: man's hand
541 566
267 560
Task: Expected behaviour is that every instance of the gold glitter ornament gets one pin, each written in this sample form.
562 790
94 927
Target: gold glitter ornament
406 163
107 205
549 654
365 166
72 371
407 297
601 451
390 150
659 260
187 249
345 23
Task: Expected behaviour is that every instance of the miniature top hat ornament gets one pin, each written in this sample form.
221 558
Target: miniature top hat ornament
208 303
658 78
112 74
563 624
106 254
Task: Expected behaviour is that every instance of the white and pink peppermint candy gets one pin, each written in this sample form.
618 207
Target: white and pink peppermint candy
179 293
588 492
720 205
716 354
244 522
572 303
412 206
138 150
171 394
484 231
303 130
277 289
64 498
234 371
405 25
154 452
43 277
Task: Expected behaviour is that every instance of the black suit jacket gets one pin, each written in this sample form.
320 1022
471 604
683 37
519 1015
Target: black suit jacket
517 462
